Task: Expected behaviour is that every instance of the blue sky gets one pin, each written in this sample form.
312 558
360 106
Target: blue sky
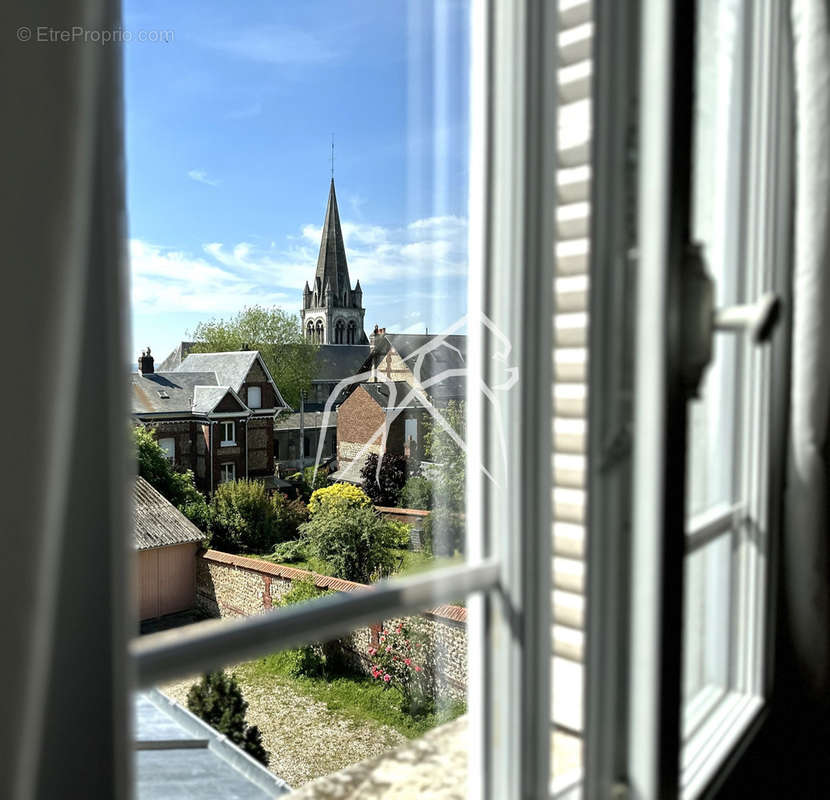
228 142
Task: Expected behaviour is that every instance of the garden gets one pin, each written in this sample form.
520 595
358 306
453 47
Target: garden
317 693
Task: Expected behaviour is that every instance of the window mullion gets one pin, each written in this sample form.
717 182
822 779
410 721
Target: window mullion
612 318
512 283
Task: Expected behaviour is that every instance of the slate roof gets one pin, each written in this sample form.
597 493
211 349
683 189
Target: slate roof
332 269
338 361
176 357
180 388
380 392
206 398
313 419
158 523
177 755
230 368
442 353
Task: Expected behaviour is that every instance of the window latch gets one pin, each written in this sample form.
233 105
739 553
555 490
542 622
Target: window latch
702 320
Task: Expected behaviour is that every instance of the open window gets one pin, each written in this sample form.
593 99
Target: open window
619 542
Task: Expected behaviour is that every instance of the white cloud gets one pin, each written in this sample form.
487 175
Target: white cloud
273 44
200 176
165 280
226 277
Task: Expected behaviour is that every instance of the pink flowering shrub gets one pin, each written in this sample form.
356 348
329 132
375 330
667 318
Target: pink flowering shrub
400 660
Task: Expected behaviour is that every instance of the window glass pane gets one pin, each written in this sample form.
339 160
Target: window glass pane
168 445
344 263
707 618
716 225
323 707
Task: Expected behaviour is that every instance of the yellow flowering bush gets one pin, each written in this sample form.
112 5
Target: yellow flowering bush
340 494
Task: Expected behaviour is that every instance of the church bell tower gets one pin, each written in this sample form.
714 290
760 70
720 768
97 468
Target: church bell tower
332 310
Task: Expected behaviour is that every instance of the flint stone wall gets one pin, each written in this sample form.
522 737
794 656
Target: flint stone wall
235 586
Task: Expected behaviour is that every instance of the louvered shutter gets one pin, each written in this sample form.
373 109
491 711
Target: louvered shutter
570 358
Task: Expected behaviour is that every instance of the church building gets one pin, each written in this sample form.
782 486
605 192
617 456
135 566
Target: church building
332 310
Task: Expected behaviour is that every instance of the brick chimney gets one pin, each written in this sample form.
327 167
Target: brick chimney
145 362
373 337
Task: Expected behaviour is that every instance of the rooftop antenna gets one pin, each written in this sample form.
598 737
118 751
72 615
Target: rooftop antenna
332 156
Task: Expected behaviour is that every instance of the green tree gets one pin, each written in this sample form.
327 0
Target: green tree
178 487
242 518
308 659
444 528
417 493
277 335
355 541
449 459
217 699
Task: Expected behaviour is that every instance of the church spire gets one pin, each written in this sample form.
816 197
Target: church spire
331 262
332 311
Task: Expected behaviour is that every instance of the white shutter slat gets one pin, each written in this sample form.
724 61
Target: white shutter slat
572 221
575 82
570 356
574 154
568 575
574 12
571 330
569 609
569 470
568 643
575 43
571 258
571 294
569 399
568 540
573 184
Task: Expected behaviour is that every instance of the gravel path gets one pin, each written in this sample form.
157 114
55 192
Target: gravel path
304 738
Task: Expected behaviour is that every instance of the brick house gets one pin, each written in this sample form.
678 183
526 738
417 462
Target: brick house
434 365
213 414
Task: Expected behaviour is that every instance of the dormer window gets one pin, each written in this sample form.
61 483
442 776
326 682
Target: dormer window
228 434
254 397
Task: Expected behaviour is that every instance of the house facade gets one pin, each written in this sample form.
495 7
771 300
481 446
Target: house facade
406 374
212 414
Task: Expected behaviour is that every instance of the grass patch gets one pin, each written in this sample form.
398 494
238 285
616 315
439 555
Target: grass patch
356 697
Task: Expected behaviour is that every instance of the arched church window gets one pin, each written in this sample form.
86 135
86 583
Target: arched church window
309 334
339 331
319 332
352 332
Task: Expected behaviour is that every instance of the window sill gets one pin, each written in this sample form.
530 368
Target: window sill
708 748
227 444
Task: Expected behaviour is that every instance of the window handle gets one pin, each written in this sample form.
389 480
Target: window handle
702 320
758 319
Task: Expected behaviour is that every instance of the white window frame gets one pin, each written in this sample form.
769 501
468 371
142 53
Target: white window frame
228 441
635 745
511 245
168 445
227 475
258 391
